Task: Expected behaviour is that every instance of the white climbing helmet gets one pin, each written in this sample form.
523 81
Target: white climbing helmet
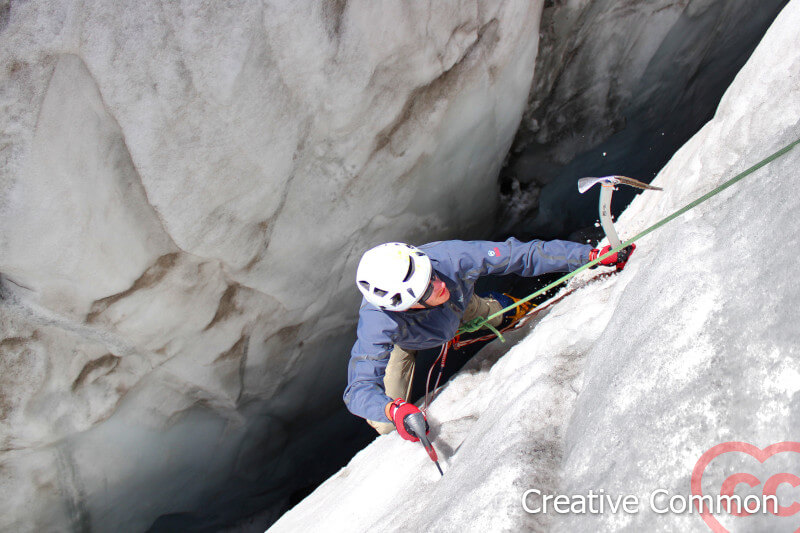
393 276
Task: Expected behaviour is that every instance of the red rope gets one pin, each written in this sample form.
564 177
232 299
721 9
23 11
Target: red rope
442 360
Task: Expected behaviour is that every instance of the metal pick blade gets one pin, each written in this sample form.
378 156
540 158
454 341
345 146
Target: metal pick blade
584 184
636 183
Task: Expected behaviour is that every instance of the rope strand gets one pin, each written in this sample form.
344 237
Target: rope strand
479 322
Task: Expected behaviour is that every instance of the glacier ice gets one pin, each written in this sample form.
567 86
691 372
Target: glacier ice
623 385
619 87
184 190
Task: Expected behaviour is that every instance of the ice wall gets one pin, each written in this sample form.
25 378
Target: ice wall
628 381
620 85
185 188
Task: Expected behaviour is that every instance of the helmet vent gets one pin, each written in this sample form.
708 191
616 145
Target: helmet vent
393 276
410 270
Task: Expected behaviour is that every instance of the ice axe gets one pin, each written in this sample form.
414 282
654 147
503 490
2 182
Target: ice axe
415 422
607 184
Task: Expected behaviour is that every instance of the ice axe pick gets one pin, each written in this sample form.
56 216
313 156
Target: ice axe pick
607 184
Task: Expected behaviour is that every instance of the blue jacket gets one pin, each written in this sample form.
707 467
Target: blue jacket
459 264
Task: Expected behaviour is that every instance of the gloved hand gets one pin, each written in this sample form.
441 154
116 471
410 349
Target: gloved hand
617 259
398 410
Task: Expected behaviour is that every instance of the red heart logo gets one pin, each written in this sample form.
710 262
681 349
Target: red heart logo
725 447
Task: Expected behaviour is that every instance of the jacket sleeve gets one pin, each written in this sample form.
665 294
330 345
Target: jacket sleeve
480 258
365 395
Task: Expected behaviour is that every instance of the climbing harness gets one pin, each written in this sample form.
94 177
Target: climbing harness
481 322
456 343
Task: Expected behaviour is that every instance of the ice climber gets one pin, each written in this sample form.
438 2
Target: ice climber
416 298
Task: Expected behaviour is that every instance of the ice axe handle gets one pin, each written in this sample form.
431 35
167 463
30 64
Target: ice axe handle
416 425
605 215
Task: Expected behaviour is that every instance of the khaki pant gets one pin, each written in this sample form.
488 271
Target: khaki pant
400 369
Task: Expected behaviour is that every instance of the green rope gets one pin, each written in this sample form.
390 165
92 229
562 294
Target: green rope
480 322
495 331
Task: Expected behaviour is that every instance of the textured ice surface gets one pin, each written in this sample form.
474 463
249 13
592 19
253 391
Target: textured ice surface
623 385
620 85
185 188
